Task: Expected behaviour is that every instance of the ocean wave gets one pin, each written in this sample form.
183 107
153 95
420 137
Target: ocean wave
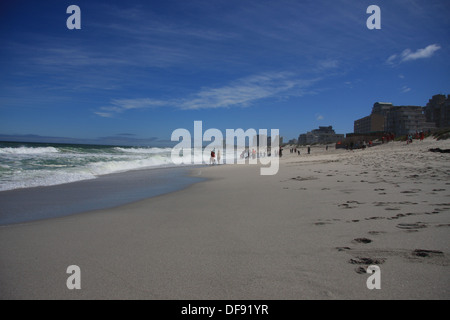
28 150
56 174
26 167
39 178
107 167
143 150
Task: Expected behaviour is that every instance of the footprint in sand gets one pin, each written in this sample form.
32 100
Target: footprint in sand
362 240
299 178
321 223
427 253
401 215
412 191
392 208
367 261
376 232
350 204
375 218
361 270
443 225
343 248
411 226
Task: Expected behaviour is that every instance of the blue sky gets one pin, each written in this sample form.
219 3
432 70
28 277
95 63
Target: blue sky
137 70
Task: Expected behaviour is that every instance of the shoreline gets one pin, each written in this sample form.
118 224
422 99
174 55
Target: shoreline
305 233
106 191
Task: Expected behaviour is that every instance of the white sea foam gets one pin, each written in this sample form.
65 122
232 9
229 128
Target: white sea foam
28 150
26 167
107 167
143 150
38 178
74 167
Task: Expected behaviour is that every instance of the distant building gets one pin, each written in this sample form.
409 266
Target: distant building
437 110
370 124
403 120
381 108
399 120
321 135
307 138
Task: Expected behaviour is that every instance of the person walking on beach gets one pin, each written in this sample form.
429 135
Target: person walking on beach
218 156
212 160
309 150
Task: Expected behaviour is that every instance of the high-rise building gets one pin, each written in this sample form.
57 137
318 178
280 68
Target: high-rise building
399 120
437 110
404 120
370 124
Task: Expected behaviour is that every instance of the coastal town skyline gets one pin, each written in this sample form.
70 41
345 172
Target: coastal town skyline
136 72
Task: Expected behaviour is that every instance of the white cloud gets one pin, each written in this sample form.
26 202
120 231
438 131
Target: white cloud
391 59
327 64
128 104
122 105
405 89
104 114
245 91
409 55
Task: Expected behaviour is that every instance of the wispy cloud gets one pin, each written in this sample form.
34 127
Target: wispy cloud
244 92
409 55
319 117
405 89
427 52
391 59
121 105
239 93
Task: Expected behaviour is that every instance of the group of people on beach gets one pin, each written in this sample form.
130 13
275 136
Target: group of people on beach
418 136
388 137
247 154
295 151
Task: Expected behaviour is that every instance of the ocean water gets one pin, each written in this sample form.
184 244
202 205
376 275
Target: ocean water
25 165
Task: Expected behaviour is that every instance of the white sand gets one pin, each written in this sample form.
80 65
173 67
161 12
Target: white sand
241 235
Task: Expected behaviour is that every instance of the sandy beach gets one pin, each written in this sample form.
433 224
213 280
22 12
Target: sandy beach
308 232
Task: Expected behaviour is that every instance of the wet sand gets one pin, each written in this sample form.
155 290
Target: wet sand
107 191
